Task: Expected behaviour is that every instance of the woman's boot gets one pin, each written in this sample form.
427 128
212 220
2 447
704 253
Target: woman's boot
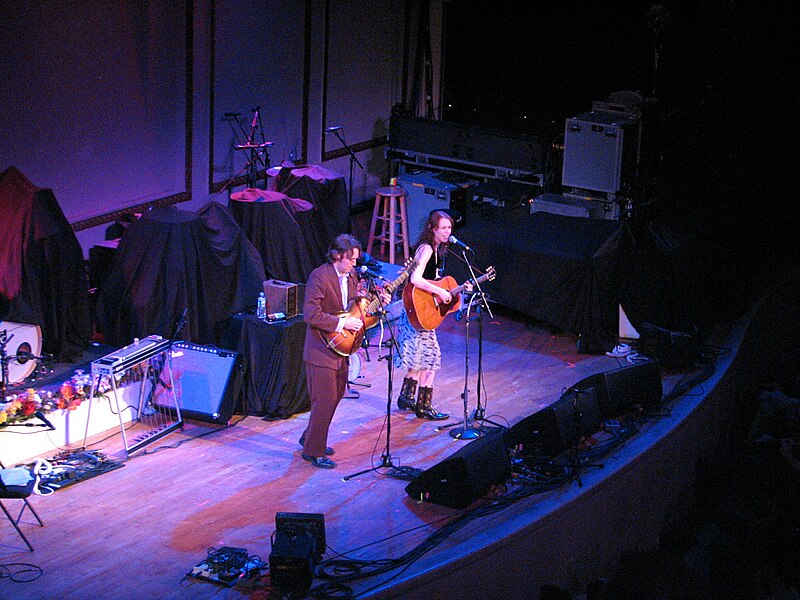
423 408
405 401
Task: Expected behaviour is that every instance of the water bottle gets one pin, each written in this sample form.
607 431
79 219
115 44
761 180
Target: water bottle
261 307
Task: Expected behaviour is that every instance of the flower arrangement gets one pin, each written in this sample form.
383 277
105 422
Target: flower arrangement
21 406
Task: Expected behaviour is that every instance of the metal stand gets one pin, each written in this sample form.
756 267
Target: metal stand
4 359
468 431
575 463
353 162
351 380
386 456
258 150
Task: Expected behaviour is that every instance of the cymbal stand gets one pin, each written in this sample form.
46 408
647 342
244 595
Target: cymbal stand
258 150
386 456
353 162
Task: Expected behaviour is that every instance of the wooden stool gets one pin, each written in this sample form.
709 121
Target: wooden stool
385 214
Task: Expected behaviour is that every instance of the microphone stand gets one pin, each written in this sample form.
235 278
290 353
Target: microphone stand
353 161
468 431
575 462
386 456
4 358
479 414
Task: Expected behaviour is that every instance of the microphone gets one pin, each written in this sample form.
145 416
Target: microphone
332 129
364 259
40 415
364 270
454 240
232 114
255 117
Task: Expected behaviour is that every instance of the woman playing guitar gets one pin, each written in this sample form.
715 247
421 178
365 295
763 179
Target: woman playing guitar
418 351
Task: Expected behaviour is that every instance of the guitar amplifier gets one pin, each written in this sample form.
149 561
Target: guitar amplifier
283 297
426 192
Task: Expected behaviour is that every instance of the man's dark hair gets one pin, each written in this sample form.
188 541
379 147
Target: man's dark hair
343 245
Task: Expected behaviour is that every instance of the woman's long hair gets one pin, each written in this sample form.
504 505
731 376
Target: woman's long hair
427 235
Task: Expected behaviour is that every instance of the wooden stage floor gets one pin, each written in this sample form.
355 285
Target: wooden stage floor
138 530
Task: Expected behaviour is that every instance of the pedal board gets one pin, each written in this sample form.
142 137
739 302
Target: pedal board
226 566
75 466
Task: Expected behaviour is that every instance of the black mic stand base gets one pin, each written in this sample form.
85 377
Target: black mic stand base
386 463
466 433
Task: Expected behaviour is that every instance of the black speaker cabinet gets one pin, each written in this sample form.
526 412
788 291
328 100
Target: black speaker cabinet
636 385
465 476
559 426
208 382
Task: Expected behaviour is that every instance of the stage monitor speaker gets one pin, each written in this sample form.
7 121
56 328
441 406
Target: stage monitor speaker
625 388
558 427
464 476
208 382
673 349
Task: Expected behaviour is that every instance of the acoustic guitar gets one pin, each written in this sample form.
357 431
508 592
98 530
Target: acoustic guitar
348 342
425 311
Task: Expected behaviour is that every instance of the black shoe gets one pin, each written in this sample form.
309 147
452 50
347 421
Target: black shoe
328 450
405 400
431 414
405 403
319 461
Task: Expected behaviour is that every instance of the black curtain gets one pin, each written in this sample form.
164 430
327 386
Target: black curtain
43 280
172 260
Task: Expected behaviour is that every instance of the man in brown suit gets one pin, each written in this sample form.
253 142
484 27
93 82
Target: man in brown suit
329 289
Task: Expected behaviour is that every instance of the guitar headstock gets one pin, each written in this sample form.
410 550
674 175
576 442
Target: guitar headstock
409 264
490 273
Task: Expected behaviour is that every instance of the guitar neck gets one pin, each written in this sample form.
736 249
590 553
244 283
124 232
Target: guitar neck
460 288
389 287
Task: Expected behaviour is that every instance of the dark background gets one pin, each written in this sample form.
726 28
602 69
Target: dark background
719 130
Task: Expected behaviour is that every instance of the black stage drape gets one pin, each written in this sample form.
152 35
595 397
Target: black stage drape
556 269
42 276
276 226
325 189
293 225
275 381
171 260
573 273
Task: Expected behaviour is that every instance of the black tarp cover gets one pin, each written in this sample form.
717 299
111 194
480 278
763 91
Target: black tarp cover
171 260
277 227
293 225
560 270
574 273
43 280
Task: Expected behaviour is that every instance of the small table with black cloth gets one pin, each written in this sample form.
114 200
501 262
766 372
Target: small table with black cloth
275 379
